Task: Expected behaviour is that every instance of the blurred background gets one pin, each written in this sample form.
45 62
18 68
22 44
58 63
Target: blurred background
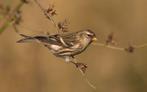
32 68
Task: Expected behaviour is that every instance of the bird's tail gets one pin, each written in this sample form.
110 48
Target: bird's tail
25 39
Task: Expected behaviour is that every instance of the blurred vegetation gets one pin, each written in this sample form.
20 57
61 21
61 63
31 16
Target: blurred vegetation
31 68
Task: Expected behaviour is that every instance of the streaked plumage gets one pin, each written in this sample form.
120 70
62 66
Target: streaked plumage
64 45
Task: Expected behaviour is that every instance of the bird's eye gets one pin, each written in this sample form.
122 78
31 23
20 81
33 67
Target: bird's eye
89 35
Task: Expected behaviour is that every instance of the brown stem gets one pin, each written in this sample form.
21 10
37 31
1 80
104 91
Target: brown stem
48 16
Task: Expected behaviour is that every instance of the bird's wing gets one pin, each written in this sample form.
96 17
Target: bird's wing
69 39
65 40
53 39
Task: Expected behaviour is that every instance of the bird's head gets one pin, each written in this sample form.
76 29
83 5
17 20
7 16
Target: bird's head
88 34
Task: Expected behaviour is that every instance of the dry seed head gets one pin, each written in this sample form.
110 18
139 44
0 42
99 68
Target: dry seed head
82 67
63 26
25 1
110 38
51 11
17 17
130 49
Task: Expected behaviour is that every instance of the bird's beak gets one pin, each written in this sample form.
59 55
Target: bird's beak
94 39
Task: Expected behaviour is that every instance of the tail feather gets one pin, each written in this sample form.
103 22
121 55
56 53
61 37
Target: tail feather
25 39
23 35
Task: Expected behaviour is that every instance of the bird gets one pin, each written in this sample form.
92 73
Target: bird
65 46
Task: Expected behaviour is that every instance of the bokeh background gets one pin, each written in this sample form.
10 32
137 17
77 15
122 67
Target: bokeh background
32 68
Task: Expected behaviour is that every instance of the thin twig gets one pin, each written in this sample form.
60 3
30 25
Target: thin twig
141 46
4 26
129 49
48 16
78 66
109 46
11 18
